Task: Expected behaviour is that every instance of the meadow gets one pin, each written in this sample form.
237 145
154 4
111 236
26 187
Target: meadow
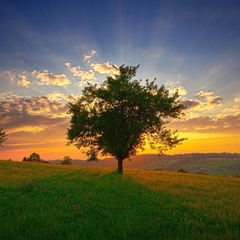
42 201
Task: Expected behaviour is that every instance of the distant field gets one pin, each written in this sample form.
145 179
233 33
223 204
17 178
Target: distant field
41 201
198 164
207 163
216 166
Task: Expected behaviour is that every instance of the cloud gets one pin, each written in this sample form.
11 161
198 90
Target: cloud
33 121
209 124
43 106
171 83
85 76
233 110
191 103
237 99
181 91
11 75
88 58
17 112
207 101
210 98
89 76
23 80
47 78
60 97
56 96
104 68
78 72
71 98
204 94
32 129
16 78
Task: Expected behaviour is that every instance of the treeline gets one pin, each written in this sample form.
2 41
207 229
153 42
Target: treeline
35 157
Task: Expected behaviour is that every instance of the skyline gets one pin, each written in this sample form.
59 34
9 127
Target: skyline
49 52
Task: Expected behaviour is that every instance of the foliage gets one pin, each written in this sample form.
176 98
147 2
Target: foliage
34 157
121 115
182 170
66 161
139 205
3 137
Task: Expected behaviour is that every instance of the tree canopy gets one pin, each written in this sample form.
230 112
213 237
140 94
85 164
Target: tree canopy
66 161
122 115
34 157
3 137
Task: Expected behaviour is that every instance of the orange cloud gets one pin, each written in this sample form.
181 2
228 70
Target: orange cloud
56 96
32 129
23 80
207 102
16 78
85 76
209 124
209 97
181 91
47 78
237 99
104 68
33 113
231 110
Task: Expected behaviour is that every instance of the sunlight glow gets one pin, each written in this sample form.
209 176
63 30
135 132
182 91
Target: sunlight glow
48 58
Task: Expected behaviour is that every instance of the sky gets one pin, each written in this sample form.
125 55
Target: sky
49 50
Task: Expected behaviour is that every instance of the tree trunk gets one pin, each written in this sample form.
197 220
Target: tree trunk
120 166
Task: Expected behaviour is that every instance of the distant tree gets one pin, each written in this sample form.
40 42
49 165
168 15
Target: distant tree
35 157
121 115
66 161
3 137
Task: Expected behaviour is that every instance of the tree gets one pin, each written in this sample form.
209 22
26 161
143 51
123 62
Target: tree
3 137
34 157
122 115
66 161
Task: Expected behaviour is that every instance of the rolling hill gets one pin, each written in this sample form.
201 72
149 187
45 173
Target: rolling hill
207 163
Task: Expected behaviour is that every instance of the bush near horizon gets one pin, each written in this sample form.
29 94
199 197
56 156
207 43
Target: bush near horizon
65 202
66 161
34 157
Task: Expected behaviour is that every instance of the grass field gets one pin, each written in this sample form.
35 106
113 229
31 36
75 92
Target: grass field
199 163
41 201
215 166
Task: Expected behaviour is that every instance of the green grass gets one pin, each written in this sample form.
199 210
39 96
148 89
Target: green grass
39 201
215 166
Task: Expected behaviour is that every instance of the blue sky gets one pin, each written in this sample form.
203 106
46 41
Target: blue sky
50 49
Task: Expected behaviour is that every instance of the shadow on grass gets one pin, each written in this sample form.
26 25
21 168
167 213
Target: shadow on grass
92 203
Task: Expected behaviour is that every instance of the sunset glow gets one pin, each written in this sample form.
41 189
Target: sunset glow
49 52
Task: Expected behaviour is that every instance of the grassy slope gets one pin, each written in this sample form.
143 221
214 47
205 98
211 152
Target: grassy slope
208 163
40 201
